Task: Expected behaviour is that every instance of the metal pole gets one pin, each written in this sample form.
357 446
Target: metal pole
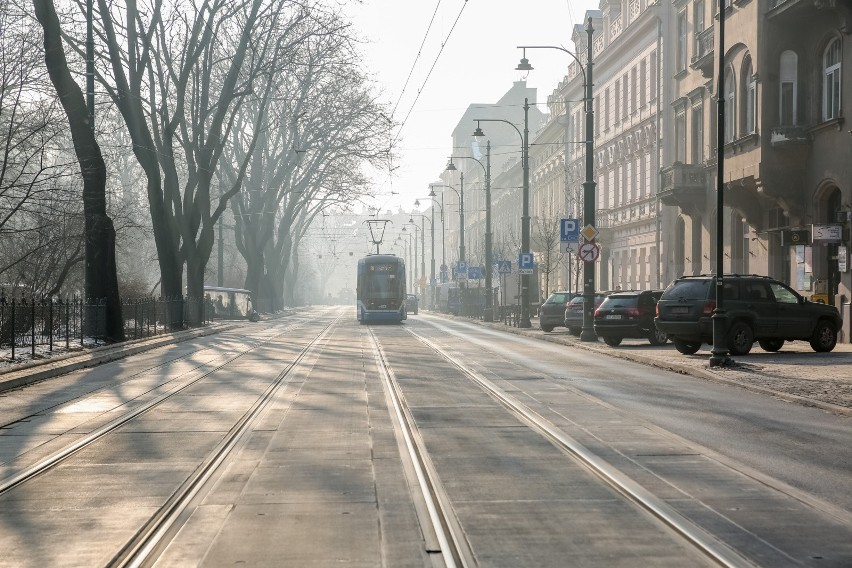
461 219
589 188
432 261
719 354
489 304
423 253
525 220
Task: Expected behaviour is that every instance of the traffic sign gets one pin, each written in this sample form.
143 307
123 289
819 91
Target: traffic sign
526 262
589 232
570 246
589 252
462 266
569 230
474 272
504 266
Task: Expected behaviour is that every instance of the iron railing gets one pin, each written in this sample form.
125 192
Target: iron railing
29 324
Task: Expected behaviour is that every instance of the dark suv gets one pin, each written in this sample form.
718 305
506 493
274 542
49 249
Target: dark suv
552 311
758 308
629 315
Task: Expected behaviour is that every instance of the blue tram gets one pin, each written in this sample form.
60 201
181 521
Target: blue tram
381 289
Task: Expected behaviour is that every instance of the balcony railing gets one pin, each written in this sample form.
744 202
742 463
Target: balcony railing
702 57
782 136
683 185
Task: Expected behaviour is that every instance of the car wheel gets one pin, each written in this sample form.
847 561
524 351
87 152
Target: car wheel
740 338
546 328
612 341
824 338
574 330
686 347
771 345
657 337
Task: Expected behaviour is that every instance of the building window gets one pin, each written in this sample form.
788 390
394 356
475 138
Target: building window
633 89
680 60
652 75
698 16
634 182
624 187
606 109
697 134
789 88
749 98
680 136
643 83
616 98
730 106
831 86
624 97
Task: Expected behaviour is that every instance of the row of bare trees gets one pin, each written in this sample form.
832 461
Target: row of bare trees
260 106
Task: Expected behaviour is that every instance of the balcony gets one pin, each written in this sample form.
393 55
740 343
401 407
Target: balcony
790 136
702 57
684 186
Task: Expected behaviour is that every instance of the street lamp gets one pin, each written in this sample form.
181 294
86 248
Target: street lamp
423 246
415 268
461 211
433 195
525 215
589 185
489 310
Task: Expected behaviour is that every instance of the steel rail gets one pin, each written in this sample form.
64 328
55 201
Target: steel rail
59 456
706 543
140 550
454 548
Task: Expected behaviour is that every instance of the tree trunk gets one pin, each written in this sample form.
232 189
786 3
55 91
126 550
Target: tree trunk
100 269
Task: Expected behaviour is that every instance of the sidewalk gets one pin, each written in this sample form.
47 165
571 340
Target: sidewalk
796 373
16 375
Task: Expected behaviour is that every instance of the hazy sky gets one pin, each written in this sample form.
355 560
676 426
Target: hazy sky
476 65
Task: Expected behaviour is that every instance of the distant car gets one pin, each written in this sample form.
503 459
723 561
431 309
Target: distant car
629 314
411 304
573 316
757 308
552 312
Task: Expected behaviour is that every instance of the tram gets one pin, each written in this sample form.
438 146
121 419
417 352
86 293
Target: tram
381 289
229 303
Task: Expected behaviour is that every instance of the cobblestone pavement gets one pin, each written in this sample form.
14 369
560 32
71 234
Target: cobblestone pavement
796 373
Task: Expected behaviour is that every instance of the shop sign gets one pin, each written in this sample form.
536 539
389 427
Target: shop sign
827 233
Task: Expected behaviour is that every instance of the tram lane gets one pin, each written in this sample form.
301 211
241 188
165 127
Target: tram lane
520 500
656 424
111 486
319 480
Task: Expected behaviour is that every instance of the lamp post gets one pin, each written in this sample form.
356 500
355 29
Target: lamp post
525 215
433 195
719 354
589 185
461 211
416 265
489 305
423 250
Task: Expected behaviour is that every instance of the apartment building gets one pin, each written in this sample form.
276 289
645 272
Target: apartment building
787 173
629 104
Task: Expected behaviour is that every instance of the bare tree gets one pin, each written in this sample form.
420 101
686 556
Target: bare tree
546 240
101 281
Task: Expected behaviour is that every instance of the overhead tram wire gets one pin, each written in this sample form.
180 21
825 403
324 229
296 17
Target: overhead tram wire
416 58
429 74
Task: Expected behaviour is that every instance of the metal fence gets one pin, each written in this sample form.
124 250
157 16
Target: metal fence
28 324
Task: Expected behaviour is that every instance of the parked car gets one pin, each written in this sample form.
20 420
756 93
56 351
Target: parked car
758 308
629 314
411 304
552 312
573 316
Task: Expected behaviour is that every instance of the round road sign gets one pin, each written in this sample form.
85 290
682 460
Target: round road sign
589 252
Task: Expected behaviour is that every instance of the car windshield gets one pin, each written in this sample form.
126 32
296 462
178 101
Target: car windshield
690 289
557 298
576 301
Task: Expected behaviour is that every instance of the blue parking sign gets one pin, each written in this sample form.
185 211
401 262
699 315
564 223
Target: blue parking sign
569 230
526 262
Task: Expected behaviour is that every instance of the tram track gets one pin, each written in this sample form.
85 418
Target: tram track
58 456
446 536
706 544
151 539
